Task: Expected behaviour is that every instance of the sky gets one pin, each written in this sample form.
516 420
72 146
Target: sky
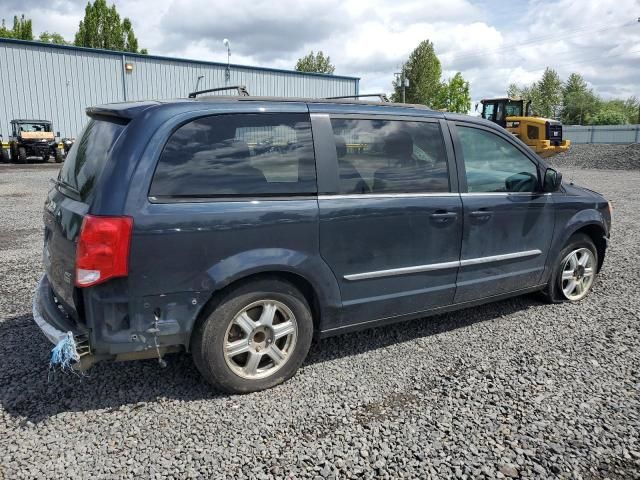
492 43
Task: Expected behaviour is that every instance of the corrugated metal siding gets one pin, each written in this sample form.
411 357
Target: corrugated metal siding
602 133
57 83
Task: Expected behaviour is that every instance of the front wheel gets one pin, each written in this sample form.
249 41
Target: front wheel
256 337
22 155
575 271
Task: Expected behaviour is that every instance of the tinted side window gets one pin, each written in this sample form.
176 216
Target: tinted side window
389 156
239 154
494 165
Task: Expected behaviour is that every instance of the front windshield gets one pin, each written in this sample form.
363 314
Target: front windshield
34 127
514 109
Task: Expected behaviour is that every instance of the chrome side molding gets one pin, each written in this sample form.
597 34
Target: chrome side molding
402 271
441 266
500 258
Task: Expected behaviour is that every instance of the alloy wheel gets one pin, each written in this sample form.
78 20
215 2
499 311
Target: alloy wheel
260 339
578 272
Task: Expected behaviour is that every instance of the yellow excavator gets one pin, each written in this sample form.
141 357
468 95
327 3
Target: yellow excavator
542 135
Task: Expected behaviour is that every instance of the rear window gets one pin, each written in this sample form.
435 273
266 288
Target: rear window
88 156
238 155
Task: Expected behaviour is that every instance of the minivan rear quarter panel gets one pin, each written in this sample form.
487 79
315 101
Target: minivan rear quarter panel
185 250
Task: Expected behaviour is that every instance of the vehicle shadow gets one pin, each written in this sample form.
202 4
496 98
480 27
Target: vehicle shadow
31 392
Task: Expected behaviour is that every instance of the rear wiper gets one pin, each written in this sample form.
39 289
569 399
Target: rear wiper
60 183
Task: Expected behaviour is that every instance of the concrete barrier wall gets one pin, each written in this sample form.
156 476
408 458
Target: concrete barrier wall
602 133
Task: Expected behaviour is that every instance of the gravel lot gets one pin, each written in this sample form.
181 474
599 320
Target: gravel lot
514 389
612 157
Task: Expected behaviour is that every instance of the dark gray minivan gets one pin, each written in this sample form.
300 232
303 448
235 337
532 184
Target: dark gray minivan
236 228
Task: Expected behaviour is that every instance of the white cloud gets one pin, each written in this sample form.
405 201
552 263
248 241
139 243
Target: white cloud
490 42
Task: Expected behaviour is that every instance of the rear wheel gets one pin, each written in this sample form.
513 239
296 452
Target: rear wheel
574 272
4 155
22 155
256 338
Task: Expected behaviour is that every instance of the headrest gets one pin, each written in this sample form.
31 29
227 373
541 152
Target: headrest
399 145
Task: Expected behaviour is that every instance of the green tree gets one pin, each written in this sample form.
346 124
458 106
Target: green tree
315 62
608 115
52 37
22 29
454 95
545 94
101 27
616 112
550 94
579 103
528 93
632 109
4 31
423 70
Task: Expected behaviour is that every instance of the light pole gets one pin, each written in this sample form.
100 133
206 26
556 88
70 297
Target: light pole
227 73
404 82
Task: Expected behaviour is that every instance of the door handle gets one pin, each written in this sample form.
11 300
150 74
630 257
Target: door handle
481 214
442 216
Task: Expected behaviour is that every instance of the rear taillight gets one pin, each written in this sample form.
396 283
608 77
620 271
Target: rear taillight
103 249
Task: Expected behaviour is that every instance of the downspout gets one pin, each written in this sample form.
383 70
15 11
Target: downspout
124 80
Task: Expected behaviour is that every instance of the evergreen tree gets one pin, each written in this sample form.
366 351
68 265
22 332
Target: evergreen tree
423 70
316 63
101 28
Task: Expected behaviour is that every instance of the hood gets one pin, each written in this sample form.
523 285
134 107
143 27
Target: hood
573 189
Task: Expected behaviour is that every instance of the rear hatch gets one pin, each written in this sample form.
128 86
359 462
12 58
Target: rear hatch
68 202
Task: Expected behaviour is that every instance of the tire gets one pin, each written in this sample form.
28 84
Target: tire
585 252
4 155
22 155
58 156
238 319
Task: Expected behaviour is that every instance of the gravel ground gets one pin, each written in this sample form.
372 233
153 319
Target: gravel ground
612 157
513 389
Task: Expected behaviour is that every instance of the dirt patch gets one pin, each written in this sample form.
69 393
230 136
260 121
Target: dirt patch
15 238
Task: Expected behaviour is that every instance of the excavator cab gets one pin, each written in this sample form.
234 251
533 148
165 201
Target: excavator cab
542 135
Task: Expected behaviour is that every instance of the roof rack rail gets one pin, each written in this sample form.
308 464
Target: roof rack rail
382 96
242 91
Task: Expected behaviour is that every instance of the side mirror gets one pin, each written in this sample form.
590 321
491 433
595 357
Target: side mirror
552 180
58 134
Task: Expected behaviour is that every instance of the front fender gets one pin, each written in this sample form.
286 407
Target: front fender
567 223
581 219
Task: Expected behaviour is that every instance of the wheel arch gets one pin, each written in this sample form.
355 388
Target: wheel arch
597 234
297 279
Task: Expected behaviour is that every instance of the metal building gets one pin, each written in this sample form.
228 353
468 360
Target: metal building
57 82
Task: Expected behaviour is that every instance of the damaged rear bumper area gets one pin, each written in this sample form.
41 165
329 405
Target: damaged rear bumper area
56 325
73 341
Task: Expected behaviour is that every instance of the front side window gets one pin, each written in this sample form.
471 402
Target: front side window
494 165
238 155
389 156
